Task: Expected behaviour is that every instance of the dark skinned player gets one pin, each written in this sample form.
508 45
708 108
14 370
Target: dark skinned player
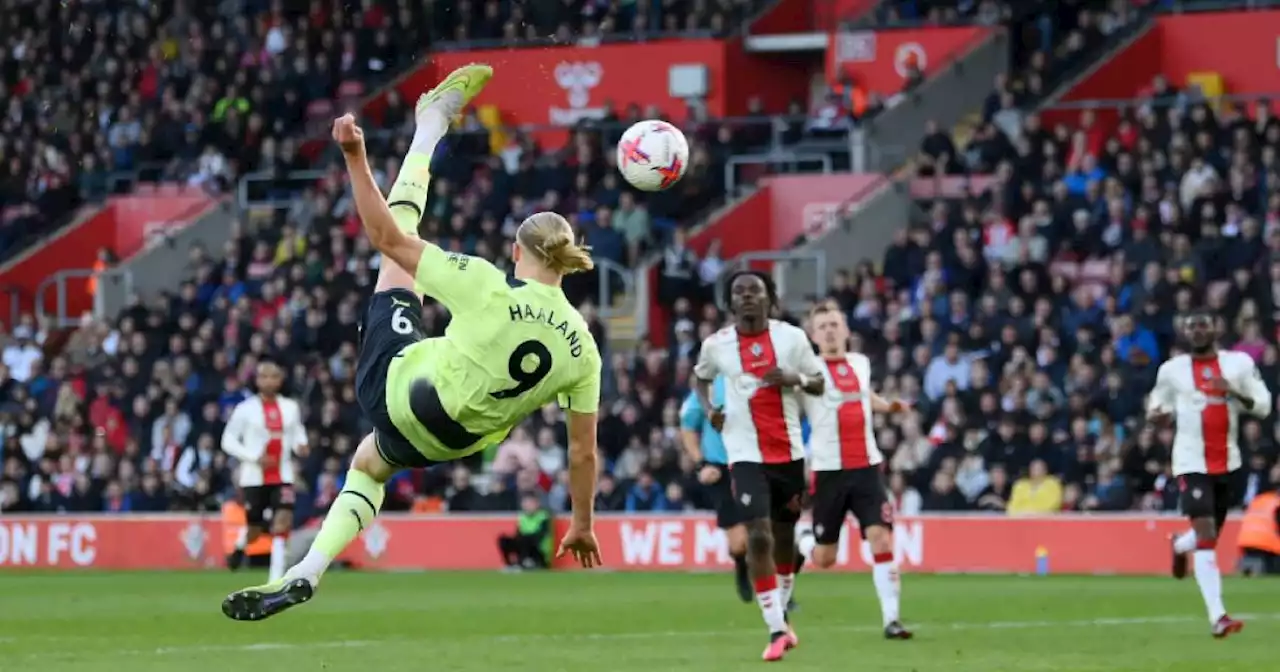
1203 391
768 365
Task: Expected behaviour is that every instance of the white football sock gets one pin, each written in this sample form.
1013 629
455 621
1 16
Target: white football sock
772 607
1210 581
888 589
242 539
786 584
279 549
432 125
312 567
1185 542
806 544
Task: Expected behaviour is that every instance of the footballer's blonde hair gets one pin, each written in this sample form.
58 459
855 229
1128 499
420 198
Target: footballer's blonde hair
549 237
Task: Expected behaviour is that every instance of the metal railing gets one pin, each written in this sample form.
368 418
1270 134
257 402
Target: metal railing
607 273
111 294
790 162
13 296
792 258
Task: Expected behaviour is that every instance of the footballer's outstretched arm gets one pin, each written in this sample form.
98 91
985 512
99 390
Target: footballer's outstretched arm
582 467
881 405
375 214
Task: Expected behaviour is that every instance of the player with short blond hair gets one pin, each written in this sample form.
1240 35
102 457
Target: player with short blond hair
846 462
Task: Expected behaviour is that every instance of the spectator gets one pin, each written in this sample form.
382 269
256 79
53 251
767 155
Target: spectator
530 546
1039 493
646 495
906 499
22 356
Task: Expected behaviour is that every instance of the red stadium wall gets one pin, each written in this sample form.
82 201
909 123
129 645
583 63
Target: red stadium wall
122 226
1075 544
1239 46
877 59
559 85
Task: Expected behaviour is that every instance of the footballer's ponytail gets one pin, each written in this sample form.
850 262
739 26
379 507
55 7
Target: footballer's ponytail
549 237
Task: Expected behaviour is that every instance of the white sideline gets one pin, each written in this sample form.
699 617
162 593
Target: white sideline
652 634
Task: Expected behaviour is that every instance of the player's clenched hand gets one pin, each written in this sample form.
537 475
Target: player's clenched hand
898 406
583 545
709 474
348 135
716 418
777 376
1160 418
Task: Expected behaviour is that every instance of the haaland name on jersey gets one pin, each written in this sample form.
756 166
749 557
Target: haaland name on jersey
526 314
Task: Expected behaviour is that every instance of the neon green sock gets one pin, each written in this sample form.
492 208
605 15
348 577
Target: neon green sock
408 197
352 511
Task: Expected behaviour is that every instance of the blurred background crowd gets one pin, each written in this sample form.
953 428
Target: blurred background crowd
1023 316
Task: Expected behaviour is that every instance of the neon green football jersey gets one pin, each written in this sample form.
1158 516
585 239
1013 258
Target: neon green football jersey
511 347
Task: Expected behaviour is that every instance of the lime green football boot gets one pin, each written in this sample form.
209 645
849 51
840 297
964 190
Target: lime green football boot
455 91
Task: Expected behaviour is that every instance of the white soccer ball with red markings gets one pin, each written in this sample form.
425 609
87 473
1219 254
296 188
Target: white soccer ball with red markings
653 155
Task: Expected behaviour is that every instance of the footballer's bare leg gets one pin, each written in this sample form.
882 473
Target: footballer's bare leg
351 512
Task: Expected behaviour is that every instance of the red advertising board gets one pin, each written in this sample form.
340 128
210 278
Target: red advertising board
878 60
1176 46
123 226
1126 544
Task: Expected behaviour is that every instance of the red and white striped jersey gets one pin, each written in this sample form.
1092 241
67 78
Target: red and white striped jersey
840 429
1205 441
261 429
761 423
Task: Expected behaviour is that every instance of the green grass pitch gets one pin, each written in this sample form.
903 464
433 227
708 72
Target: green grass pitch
617 622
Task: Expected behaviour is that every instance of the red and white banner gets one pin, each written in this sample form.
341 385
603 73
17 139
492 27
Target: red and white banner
1125 544
1248 62
124 225
879 60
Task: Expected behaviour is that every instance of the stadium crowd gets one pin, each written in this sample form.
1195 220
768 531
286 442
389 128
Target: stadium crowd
96 96
1024 322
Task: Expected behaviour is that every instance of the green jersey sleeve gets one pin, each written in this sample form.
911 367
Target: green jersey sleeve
458 281
584 395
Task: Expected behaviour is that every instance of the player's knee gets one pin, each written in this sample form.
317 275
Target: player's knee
880 539
824 556
282 523
369 461
759 539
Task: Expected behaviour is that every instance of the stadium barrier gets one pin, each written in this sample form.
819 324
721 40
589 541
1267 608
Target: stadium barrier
1076 544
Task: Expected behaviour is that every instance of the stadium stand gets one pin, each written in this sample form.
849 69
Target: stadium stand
1091 237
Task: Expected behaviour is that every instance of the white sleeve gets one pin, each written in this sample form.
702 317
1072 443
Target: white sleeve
1163 397
233 436
803 357
1256 389
706 368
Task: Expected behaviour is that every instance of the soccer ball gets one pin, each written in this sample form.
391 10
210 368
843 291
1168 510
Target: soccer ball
653 155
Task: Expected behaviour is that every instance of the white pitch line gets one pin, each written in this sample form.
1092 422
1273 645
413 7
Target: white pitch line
650 634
